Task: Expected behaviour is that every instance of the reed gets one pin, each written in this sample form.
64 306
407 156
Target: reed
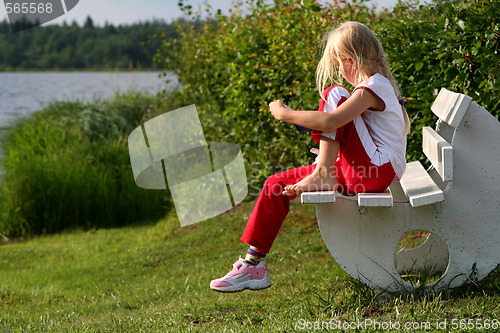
67 166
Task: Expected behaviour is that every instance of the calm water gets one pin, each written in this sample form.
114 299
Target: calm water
22 93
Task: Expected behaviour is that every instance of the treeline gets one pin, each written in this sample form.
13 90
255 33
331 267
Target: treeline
70 46
234 67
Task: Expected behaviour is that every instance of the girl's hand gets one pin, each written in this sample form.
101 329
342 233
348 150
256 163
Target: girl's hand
278 109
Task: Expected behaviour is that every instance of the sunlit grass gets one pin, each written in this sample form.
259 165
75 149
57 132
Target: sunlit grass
155 277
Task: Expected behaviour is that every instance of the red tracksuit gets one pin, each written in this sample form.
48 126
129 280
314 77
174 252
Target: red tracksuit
354 170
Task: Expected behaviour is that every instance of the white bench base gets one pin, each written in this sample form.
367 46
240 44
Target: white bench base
363 241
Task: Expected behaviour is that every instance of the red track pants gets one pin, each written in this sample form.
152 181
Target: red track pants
354 170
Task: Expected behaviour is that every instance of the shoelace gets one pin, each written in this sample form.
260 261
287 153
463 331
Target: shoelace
237 265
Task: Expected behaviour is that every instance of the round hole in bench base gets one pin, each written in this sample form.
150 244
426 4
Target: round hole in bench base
421 257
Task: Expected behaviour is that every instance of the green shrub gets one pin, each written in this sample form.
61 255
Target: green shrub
446 44
68 166
233 66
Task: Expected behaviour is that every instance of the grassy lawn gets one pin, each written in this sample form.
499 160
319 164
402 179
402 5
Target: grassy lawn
155 277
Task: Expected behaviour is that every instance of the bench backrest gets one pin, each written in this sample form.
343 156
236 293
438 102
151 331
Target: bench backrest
450 107
439 152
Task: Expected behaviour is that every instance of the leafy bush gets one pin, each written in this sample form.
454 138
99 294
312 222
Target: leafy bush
68 166
454 45
233 66
236 65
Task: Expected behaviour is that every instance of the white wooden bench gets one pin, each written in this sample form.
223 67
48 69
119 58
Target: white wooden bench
455 199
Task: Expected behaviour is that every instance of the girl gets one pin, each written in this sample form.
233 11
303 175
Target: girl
362 143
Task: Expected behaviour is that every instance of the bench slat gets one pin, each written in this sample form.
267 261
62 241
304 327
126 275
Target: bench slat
375 199
439 152
450 106
419 186
317 197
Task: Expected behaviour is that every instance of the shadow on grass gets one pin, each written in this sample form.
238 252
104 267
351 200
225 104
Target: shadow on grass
346 296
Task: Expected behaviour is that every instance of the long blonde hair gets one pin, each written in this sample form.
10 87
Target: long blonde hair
356 41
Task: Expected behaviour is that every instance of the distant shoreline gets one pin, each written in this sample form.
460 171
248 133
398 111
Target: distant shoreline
25 92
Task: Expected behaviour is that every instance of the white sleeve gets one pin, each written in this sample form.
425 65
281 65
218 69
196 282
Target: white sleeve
335 95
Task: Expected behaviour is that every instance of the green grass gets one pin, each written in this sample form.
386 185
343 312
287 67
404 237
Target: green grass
155 277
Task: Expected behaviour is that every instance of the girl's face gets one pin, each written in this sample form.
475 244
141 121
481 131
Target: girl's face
348 69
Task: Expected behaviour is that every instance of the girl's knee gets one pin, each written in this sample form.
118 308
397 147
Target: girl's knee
274 186
271 179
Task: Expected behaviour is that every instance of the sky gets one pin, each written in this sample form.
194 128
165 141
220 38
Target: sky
123 12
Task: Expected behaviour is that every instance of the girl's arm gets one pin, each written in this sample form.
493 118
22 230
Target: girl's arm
355 105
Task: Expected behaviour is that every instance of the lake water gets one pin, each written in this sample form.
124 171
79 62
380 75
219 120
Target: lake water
22 93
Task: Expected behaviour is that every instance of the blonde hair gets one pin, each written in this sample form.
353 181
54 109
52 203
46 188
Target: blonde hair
354 40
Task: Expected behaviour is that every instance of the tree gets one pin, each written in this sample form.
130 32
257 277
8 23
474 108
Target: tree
89 23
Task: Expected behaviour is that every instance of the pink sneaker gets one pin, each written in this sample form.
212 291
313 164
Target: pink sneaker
243 276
